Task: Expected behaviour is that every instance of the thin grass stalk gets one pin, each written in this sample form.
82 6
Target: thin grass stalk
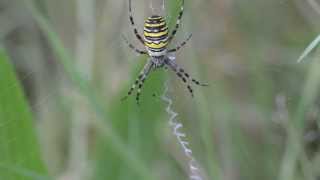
309 48
84 53
294 148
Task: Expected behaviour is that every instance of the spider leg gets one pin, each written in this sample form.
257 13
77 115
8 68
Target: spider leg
181 45
181 71
177 23
141 78
133 47
146 71
192 79
133 24
132 87
178 73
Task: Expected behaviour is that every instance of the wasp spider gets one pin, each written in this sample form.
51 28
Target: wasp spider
156 40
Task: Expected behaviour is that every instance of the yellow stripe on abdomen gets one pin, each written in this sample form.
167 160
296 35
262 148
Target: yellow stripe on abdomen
155 34
154 25
156 46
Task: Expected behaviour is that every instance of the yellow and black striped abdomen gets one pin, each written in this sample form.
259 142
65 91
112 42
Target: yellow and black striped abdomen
156 35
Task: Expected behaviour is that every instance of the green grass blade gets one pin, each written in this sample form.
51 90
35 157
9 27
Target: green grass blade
295 147
18 143
311 46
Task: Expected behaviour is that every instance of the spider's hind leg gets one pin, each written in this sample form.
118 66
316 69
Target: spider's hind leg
181 76
175 67
191 78
132 87
140 81
140 87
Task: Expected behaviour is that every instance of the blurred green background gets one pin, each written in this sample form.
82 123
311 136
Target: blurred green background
64 69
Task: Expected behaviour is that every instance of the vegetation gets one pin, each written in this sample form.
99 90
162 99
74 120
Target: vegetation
64 119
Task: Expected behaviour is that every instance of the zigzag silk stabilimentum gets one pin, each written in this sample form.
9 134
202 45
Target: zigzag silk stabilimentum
194 170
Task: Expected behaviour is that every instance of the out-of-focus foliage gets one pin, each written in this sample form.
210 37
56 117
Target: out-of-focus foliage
20 155
258 119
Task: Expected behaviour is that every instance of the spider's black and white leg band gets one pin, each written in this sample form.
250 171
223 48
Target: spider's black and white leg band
132 46
133 24
180 45
174 67
140 87
132 87
183 75
140 81
183 79
192 79
146 70
177 23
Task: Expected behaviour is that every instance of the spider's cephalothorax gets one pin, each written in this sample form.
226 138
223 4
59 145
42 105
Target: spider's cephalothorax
156 40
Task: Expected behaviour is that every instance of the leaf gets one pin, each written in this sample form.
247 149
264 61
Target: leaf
20 156
311 46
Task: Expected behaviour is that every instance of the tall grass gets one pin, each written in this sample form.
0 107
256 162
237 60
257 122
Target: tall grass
250 123
85 88
115 142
